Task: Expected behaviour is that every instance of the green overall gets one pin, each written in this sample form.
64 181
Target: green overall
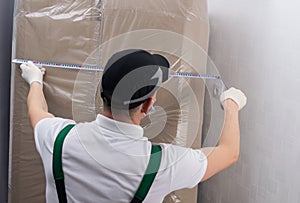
58 173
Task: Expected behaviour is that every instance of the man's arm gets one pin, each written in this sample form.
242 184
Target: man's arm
227 151
36 102
37 105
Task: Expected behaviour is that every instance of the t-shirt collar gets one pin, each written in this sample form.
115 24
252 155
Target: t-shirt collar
127 129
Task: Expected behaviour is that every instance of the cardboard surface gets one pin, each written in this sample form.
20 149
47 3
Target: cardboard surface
70 32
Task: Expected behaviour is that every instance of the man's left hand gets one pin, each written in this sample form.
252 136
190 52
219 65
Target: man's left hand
32 73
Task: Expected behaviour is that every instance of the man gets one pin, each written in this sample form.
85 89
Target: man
105 160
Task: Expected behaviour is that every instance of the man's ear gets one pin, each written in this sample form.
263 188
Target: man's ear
147 105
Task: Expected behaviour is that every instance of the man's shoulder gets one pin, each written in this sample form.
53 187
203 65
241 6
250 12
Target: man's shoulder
171 148
55 122
47 129
177 154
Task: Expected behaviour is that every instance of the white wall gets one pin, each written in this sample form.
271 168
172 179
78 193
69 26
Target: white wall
256 46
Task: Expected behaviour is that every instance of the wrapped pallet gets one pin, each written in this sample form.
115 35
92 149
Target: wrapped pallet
88 33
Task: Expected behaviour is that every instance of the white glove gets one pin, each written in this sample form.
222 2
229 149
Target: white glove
32 73
236 95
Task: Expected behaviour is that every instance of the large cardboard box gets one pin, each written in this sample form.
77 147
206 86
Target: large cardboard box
79 32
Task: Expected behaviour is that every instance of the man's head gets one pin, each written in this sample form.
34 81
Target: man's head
131 78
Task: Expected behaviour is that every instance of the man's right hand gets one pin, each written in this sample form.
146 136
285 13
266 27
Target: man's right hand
236 95
228 149
32 73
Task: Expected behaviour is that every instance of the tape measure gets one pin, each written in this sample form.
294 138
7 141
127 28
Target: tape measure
98 68
59 65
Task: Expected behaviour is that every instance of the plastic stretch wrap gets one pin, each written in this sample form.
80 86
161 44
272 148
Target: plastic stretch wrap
89 32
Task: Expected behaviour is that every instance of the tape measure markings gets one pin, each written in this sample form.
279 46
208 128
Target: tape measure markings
98 68
60 65
193 75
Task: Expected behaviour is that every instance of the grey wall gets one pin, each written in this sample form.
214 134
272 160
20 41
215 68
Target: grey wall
256 46
6 15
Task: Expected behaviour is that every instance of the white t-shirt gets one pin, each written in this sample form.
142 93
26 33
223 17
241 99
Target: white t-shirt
105 160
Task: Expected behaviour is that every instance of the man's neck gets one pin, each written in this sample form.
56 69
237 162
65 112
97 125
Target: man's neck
121 118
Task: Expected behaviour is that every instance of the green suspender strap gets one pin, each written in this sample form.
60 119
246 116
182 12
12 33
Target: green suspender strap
57 163
149 176
58 173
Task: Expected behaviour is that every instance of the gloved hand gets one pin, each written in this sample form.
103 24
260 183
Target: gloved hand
32 73
236 95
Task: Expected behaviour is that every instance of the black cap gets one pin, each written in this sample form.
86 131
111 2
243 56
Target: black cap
131 77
